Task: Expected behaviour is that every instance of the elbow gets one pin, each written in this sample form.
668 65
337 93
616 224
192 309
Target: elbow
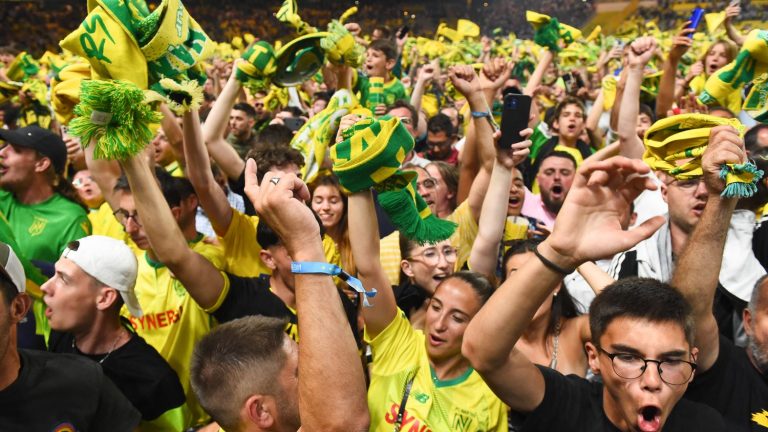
473 350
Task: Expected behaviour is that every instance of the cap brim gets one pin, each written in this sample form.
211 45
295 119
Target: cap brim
15 138
132 303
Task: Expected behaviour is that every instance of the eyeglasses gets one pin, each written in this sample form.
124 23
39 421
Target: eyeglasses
428 183
689 183
80 182
631 366
431 256
439 144
123 216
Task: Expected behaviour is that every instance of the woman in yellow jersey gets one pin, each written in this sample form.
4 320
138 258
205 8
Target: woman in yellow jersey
719 54
419 379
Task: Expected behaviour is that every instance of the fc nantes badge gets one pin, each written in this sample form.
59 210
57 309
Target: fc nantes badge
38 226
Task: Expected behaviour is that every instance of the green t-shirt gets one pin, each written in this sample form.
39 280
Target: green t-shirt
43 230
392 91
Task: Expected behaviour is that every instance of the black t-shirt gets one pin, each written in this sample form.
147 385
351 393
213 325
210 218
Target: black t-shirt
63 392
760 243
734 387
138 371
252 296
574 404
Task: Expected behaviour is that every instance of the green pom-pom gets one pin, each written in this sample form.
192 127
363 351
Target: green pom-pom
116 116
548 34
402 211
181 97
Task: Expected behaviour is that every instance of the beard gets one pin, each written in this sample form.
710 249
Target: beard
759 354
551 204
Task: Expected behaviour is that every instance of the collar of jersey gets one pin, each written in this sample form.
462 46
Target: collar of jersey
157 264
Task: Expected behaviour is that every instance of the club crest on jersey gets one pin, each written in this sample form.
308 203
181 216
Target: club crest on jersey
38 226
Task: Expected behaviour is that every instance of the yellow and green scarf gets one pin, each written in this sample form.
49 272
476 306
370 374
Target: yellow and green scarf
676 144
370 157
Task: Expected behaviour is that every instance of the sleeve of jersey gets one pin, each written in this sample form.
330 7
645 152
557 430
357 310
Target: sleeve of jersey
538 139
390 257
241 248
465 233
396 348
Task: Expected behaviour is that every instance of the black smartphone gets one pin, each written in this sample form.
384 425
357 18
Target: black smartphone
514 118
573 82
403 31
294 123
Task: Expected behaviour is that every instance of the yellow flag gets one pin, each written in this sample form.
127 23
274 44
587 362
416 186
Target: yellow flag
467 28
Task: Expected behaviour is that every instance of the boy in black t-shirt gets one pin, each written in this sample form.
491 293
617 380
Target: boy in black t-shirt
641 330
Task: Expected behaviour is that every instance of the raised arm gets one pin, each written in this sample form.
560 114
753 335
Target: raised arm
639 53
173 133
698 268
478 155
424 77
601 192
680 44
466 81
538 74
222 153
200 278
212 197
731 12
330 372
105 173
364 240
482 258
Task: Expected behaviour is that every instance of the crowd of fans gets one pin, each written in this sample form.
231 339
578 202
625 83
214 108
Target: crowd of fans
605 271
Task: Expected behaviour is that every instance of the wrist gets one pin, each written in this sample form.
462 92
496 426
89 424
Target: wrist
476 101
303 250
559 258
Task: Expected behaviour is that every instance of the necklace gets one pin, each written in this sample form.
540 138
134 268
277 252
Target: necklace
114 344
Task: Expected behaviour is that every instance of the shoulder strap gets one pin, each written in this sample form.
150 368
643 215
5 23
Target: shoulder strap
406 393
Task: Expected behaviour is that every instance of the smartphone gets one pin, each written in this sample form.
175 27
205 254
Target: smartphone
573 82
514 118
403 31
696 16
294 123
735 3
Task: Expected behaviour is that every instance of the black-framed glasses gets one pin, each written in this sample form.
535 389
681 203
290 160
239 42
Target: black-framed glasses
123 216
632 366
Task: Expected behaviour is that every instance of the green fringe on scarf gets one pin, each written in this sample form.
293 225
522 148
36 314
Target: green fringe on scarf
116 116
741 180
398 204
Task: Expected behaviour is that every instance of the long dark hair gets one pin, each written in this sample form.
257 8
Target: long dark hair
563 305
341 230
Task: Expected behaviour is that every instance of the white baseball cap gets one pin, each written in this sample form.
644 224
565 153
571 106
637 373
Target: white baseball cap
13 267
111 262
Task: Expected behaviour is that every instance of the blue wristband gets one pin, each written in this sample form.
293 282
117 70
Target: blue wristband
488 116
333 270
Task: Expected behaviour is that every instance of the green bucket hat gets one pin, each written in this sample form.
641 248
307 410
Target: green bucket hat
299 60
370 157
